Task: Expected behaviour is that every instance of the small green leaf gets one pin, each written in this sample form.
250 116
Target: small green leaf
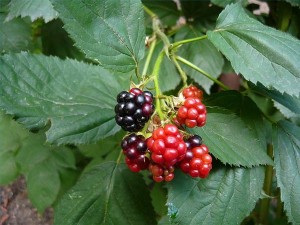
8 168
114 195
230 140
15 35
110 32
286 138
43 185
203 54
32 8
225 197
77 98
260 53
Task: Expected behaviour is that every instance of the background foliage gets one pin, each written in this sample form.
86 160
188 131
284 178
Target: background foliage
62 64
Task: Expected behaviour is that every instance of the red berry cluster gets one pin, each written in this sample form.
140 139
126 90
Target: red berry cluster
197 161
192 92
167 147
193 112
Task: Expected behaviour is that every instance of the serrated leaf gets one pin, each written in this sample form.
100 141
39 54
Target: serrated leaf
225 197
110 32
203 54
77 98
114 195
43 185
32 8
15 35
260 53
230 140
286 139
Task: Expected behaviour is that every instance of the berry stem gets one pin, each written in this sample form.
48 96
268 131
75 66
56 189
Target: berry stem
149 56
181 72
149 11
265 203
155 75
188 63
178 43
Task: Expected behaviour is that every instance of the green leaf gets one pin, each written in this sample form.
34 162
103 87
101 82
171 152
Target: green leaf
114 195
15 35
224 3
293 2
291 102
32 8
55 41
77 98
225 197
230 140
286 138
43 185
260 53
203 54
110 32
8 168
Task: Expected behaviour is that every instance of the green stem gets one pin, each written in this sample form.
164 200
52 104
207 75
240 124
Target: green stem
188 63
155 75
149 56
181 72
178 43
265 203
149 11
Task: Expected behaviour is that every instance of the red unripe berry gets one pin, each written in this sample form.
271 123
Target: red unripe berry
198 152
171 142
158 146
196 163
150 142
136 91
182 112
189 102
194 173
159 133
158 179
169 177
207 159
192 114
171 129
204 170
156 170
190 123
157 158
134 167
205 148
170 154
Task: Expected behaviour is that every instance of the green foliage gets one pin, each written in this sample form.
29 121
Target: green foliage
286 137
109 32
33 9
89 51
230 194
260 53
108 194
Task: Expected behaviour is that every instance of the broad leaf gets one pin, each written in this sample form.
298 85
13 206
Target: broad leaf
110 32
286 137
223 3
203 54
108 194
225 197
260 53
230 140
15 35
77 98
8 168
32 8
43 185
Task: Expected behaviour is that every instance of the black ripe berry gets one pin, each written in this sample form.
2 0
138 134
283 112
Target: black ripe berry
134 109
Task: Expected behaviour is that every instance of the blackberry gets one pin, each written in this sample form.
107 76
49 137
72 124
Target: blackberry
134 109
135 148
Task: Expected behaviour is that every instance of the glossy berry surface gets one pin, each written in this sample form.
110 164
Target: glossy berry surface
161 173
166 146
134 148
197 161
192 92
134 109
192 113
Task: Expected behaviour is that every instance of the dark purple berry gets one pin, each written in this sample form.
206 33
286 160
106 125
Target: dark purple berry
195 141
147 109
130 108
140 100
121 96
128 120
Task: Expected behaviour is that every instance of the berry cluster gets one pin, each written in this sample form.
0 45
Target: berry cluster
192 92
134 148
197 161
134 109
193 112
166 148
